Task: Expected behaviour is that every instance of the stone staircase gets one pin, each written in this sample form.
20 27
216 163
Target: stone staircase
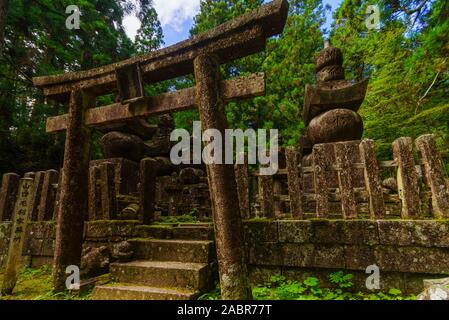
181 268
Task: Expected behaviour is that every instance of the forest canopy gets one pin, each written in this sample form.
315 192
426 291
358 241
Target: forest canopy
406 59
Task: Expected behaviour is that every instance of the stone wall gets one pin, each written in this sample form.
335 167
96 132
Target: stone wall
405 251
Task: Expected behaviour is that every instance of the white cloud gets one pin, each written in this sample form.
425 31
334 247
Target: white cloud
131 24
174 13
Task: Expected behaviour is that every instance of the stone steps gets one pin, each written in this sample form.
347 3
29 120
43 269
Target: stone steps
174 250
179 265
136 292
162 274
180 232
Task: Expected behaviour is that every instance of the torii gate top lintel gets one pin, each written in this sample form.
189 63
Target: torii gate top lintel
232 40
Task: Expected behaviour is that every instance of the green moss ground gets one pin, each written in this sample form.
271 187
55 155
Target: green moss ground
36 284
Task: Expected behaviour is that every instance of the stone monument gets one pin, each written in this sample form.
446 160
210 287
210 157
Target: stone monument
330 107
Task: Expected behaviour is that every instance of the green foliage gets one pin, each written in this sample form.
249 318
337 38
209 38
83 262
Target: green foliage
406 60
281 288
288 63
212 295
37 43
149 36
407 63
341 280
36 284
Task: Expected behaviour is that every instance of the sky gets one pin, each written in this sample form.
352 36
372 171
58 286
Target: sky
176 17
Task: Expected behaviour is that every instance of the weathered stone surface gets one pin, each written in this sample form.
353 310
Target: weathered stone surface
157 232
73 204
8 192
174 250
345 180
94 261
242 182
408 187
163 274
106 118
329 56
145 293
266 253
261 231
160 144
435 292
320 167
295 190
295 231
359 257
104 229
328 256
37 193
425 233
94 193
193 233
137 127
130 212
147 190
330 73
309 255
5 232
17 238
295 255
435 282
191 175
108 194
390 184
41 230
335 125
327 231
360 232
122 145
126 174
435 175
129 82
372 179
413 259
266 196
123 251
333 95
226 211
48 196
39 247
230 41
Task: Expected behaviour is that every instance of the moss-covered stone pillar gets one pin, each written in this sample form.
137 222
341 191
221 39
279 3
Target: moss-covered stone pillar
74 189
223 188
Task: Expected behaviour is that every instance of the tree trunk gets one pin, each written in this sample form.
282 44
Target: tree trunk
3 12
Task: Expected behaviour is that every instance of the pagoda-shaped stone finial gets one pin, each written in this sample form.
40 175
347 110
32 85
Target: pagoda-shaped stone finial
330 107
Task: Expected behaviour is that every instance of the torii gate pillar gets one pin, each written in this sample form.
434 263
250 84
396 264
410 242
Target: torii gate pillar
74 192
227 220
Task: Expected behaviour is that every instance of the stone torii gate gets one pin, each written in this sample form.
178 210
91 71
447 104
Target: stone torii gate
201 55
